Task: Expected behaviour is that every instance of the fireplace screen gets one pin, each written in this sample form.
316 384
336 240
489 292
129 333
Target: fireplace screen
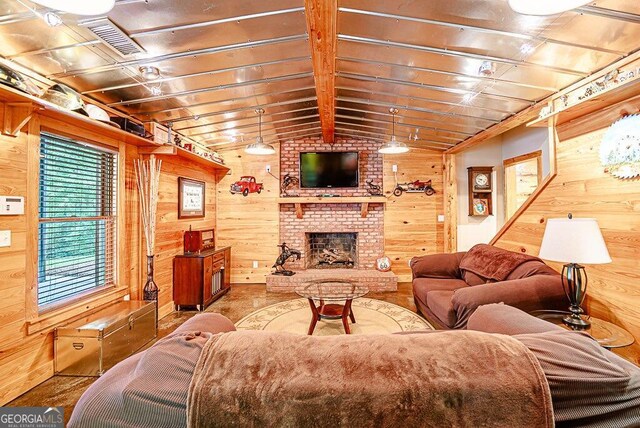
331 250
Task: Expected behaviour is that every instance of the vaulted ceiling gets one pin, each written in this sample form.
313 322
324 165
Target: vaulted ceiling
322 67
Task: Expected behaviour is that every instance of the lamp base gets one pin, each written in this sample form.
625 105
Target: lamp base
576 322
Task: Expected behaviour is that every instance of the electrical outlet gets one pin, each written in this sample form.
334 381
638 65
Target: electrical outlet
269 168
440 218
5 238
394 168
126 297
255 264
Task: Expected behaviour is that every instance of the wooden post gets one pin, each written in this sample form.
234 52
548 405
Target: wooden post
450 203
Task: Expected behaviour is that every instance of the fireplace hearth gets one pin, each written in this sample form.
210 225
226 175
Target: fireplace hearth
331 250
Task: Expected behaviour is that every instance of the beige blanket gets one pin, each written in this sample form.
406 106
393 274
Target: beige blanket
457 378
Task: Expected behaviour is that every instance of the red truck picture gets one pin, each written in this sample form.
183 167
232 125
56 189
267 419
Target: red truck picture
247 184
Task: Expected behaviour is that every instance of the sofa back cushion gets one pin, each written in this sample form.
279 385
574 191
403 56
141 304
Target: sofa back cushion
472 278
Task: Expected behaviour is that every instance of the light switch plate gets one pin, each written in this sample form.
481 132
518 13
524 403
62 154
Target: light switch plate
440 218
5 238
255 264
394 168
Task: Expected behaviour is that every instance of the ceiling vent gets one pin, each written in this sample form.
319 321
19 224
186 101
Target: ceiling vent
112 36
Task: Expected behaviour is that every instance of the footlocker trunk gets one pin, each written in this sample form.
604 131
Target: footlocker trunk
93 344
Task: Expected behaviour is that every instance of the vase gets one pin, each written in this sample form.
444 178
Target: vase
150 289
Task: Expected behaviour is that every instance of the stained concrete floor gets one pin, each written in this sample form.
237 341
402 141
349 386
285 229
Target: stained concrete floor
240 301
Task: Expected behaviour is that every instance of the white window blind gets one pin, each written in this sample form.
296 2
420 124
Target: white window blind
77 230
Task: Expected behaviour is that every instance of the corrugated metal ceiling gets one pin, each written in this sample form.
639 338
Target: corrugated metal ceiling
220 60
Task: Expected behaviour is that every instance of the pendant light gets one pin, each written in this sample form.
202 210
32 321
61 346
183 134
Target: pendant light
259 147
545 7
393 146
78 7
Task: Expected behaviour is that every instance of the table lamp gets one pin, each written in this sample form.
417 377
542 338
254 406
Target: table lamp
574 241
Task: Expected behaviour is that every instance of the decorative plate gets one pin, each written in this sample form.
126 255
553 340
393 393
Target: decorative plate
620 147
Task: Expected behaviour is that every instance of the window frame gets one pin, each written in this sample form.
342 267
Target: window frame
109 238
39 318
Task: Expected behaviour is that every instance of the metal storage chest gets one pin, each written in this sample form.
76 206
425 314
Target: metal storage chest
91 345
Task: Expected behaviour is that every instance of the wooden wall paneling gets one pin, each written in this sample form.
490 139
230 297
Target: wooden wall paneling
250 224
411 226
583 188
450 192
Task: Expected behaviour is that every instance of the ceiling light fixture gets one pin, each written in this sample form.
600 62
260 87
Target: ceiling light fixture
545 7
393 146
487 68
52 19
156 91
259 147
78 7
149 72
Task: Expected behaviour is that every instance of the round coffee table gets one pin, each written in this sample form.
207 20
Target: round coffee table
608 335
334 291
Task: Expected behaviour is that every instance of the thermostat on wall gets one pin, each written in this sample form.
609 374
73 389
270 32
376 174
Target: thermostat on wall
11 205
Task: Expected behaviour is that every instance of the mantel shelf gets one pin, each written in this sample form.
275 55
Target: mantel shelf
171 150
364 202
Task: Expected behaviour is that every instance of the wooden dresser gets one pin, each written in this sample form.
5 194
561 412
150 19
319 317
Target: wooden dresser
201 278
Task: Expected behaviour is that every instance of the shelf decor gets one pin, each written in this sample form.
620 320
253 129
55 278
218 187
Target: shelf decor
620 148
148 179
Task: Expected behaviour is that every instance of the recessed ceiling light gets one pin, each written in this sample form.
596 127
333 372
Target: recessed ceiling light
156 91
545 7
149 73
52 19
487 68
79 7
527 49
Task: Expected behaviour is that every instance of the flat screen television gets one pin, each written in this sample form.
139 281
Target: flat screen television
328 169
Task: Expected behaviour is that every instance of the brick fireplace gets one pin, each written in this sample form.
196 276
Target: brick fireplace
326 230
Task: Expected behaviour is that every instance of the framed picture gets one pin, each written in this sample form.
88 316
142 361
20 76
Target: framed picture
191 198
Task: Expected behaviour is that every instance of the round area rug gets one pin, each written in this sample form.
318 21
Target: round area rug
372 317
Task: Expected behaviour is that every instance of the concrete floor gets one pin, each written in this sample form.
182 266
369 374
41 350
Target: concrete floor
240 301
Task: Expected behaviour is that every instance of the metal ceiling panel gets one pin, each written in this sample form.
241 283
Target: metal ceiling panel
471 41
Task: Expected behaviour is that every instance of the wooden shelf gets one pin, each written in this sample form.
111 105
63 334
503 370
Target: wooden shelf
364 202
16 103
171 150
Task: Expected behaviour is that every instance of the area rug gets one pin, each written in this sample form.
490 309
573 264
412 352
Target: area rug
372 317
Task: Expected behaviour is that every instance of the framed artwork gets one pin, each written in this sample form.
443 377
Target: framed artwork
191 198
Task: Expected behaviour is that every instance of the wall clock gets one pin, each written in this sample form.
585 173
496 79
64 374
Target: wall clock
480 190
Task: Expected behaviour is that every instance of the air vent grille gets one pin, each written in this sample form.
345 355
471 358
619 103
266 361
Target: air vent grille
112 36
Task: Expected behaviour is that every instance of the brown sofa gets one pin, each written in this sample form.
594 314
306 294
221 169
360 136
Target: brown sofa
447 288
262 376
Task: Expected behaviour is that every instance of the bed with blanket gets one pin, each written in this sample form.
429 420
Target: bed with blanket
206 374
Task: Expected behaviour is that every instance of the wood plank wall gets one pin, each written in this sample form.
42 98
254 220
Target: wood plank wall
411 226
583 188
249 224
170 229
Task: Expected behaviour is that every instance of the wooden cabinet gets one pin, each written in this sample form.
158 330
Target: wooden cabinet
201 278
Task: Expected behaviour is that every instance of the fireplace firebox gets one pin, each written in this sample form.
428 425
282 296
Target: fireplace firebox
331 250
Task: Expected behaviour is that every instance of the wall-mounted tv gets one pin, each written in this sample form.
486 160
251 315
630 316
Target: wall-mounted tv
328 169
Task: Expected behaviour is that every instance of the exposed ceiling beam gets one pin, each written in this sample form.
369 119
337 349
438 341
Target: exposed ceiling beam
321 16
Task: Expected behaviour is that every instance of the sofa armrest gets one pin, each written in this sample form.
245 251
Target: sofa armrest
443 265
528 294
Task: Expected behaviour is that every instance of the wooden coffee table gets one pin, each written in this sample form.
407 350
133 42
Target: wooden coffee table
339 293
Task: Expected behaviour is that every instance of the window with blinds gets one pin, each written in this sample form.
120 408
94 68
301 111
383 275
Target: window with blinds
77 228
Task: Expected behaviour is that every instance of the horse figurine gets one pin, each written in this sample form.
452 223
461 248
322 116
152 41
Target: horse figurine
285 254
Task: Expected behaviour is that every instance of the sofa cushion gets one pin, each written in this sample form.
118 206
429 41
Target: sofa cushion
441 305
530 268
436 266
505 319
422 286
590 386
473 278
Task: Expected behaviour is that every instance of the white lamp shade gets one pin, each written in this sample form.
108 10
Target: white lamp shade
577 240
259 148
393 147
545 7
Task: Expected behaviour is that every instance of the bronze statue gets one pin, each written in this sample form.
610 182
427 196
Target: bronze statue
285 254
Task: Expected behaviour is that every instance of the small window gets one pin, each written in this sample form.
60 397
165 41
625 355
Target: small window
522 176
77 227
